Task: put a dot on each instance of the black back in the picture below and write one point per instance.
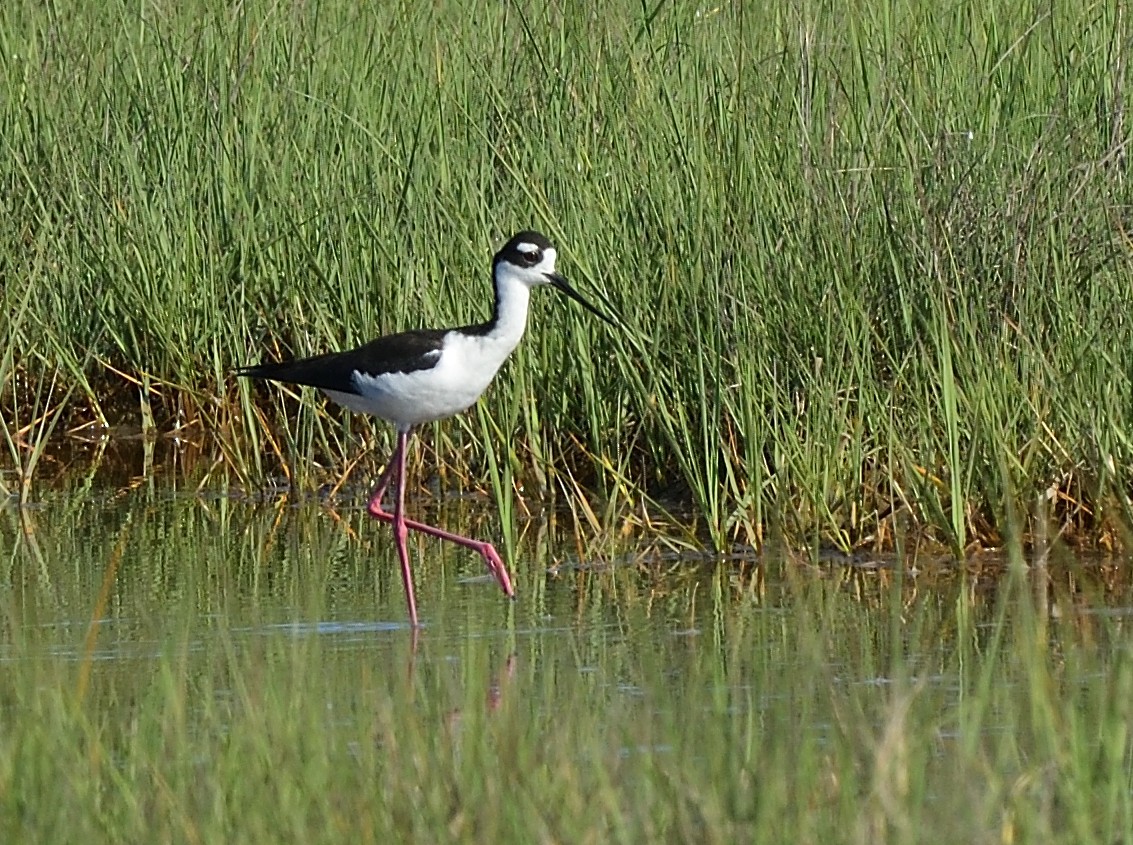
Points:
(405, 352)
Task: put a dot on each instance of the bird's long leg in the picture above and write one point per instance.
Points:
(484, 549)
(400, 530)
(383, 483)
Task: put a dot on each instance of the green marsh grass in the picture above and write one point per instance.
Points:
(867, 254)
(180, 669)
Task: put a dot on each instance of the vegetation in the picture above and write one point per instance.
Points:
(184, 670)
(871, 258)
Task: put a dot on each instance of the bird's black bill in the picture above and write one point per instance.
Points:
(563, 285)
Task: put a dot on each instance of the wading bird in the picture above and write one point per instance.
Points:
(416, 377)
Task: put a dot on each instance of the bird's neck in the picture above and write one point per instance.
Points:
(509, 313)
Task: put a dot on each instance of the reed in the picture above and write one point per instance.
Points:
(866, 254)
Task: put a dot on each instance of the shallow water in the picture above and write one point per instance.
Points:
(133, 562)
(138, 603)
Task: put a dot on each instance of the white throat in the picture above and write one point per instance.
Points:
(513, 296)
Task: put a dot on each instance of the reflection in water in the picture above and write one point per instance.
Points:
(134, 570)
(263, 636)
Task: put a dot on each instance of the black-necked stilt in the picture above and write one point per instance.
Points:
(420, 376)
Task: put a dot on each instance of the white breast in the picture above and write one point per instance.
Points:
(466, 367)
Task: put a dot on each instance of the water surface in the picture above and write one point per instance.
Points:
(679, 688)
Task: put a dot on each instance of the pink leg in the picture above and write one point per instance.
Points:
(383, 481)
(400, 531)
(486, 550)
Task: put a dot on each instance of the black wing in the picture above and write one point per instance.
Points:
(405, 352)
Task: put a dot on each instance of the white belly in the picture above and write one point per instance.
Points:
(462, 374)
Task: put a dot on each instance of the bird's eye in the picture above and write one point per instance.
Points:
(531, 257)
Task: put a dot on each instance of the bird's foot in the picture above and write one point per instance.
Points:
(485, 549)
